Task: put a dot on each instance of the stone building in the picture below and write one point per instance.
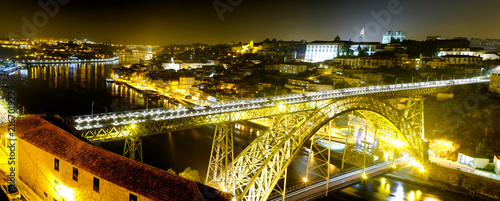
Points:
(58, 165)
(495, 83)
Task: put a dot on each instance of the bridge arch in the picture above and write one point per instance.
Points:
(259, 167)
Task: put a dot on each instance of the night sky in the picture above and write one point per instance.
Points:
(162, 22)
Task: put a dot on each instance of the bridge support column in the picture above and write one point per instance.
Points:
(414, 112)
(221, 157)
(349, 154)
(318, 162)
(133, 148)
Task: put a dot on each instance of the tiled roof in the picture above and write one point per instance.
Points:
(137, 177)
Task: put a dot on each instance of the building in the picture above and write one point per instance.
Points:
(301, 86)
(185, 84)
(393, 36)
(495, 83)
(319, 51)
(66, 167)
(462, 60)
(496, 162)
(466, 51)
(491, 56)
(472, 160)
(437, 63)
(292, 68)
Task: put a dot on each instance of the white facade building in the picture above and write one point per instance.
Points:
(319, 51)
(397, 35)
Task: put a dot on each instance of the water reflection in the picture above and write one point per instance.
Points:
(69, 89)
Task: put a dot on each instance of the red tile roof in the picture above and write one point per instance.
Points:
(137, 177)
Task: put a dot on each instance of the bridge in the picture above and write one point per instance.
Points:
(261, 168)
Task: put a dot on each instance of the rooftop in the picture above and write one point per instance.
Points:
(134, 176)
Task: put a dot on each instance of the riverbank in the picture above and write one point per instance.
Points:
(408, 175)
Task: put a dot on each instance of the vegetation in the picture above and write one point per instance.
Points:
(190, 174)
(468, 120)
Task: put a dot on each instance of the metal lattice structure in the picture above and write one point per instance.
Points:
(414, 112)
(133, 149)
(261, 166)
(258, 168)
(116, 126)
(221, 156)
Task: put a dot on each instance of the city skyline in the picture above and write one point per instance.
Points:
(212, 22)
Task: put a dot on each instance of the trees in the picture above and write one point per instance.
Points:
(191, 174)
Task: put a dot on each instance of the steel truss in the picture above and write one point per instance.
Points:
(221, 157)
(133, 149)
(258, 168)
(318, 162)
(109, 132)
(414, 112)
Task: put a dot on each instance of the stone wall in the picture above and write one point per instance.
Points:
(495, 83)
(457, 181)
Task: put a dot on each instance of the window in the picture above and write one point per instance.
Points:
(75, 173)
(56, 164)
(96, 184)
(132, 197)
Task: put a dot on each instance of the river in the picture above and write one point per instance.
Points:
(69, 89)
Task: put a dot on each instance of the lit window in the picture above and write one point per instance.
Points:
(56, 164)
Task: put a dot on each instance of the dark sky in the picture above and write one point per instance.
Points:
(162, 22)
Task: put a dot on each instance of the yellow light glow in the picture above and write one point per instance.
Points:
(304, 179)
(411, 196)
(224, 189)
(364, 176)
(383, 181)
(132, 126)
(66, 193)
(398, 143)
(234, 199)
(281, 107)
(419, 193)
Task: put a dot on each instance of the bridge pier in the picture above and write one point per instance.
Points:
(320, 165)
(221, 157)
(133, 148)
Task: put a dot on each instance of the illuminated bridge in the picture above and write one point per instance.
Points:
(260, 170)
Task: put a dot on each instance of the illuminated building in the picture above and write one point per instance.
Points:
(433, 63)
(393, 36)
(495, 83)
(472, 160)
(58, 165)
(292, 68)
(319, 51)
(496, 162)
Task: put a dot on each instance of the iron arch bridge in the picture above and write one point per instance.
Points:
(261, 166)
(257, 169)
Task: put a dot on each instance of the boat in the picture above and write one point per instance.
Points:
(109, 80)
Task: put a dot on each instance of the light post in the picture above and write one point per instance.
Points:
(481, 73)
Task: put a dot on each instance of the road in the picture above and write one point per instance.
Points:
(338, 181)
(463, 168)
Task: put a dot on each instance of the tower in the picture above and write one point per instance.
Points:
(362, 35)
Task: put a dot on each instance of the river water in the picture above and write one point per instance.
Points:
(69, 89)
